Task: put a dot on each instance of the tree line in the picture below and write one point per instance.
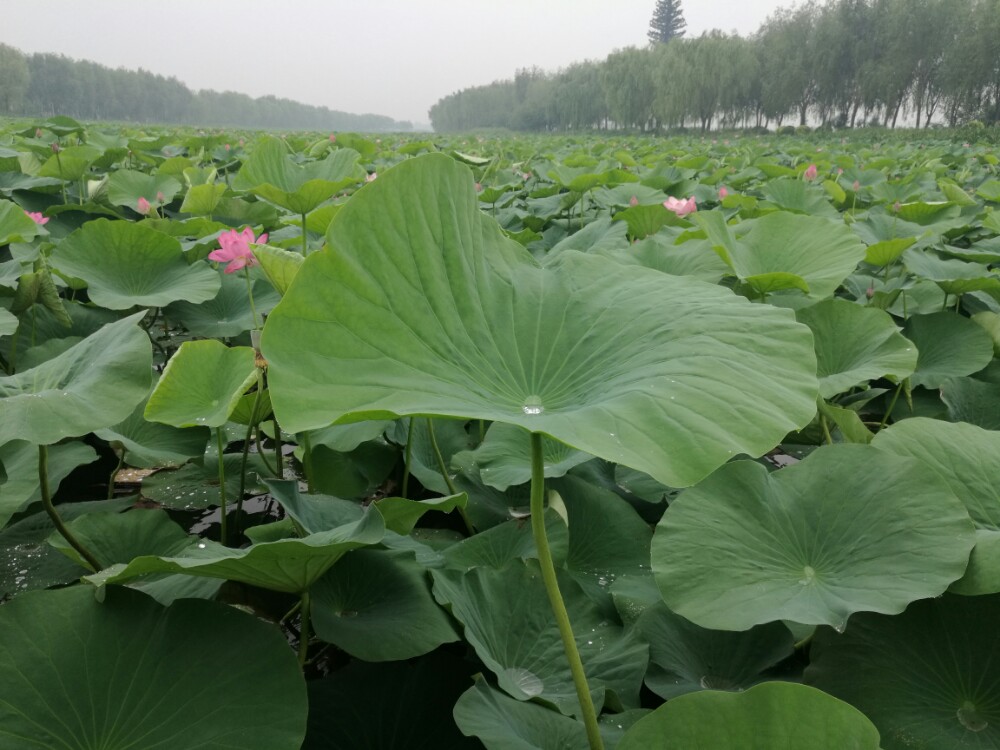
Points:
(839, 63)
(44, 84)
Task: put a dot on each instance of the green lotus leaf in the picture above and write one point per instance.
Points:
(377, 606)
(948, 346)
(389, 706)
(8, 322)
(280, 266)
(636, 366)
(885, 252)
(925, 678)
(646, 221)
(953, 276)
(771, 716)
(848, 529)
(15, 224)
(313, 512)
(691, 258)
(202, 384)
(126, 264)
(967, 458)
(987, 320)
(401, 514)
(856, 344)
(93, 384)
(502, 723)
(195, 486)
(504, 456)
(128, 673)
(151, 445)
(507, 541)
(22, 486)
(799, 197)
(121, 537)
(815, 249)
(974, 401)
(127, 186)
(520, 644)
(289, 565)
(202, 200)
(270, 173)
(684, 658)
(28, 562)
(71, 163)
(229, 313)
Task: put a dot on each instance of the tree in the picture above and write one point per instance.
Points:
(668, 21)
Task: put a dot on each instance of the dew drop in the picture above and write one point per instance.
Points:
(810, 576)
(970, 717)
(348, 613)
(201, 545)
(533, 405)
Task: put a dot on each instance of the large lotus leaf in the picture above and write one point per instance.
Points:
(314, 513)
(848, 529)
(29, 562)
(988, 320)
(8, 322)
(377, 606)
(665, 374)
(195, 486)
(771, 716)
(504, 456)
(948, 346)
(926, 678)
(799, 197)
(401, 514)
(506, 618)
(508, 541)
(820, 252)
(202, 384)
(280, 266)
(973, 401)
(70, 164)
(608, 540)
(967, 458)
(15, 224)
(121, 537)
(127, 186)
(389, 706)
(229, 313)
(691, 258)
(502, 723)
(152, 445)
(684, 658)
(953, 276)
(855, 344)
(290, 565)
(128, 673)
(885, 252)
(270, 173)
(23, 486)
(91, 385)
(126, 264)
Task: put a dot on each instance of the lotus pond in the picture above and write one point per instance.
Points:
(506, 442)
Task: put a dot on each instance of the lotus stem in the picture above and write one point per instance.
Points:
(43, 478)
(447, 478)
(278, 456)
(407, 455)
(892, 405)
(246, 453)
(307, 461)
(305, 237)
(253, 310)
(587, 711)
(304, 630)
(114, 473)
(224, 526)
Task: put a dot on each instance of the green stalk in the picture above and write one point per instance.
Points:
(447, 478)
(407, 454)
(222, 488)
(278, 456)
(305, 237)
(307, 461)
(304, 630)
(588, 714)
(826, 430)
(246, 453)
(253, 310)
(43, 478)
(111, 479)
(892, 405)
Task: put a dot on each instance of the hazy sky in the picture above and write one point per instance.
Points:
(390, 58)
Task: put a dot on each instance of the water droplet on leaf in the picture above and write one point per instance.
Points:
(533, 405)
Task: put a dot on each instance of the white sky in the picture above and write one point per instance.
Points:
(390, 58)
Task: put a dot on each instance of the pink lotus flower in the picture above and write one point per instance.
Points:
(142, 206)
(680, 207)
(160, 197)
(227, 147)
(855, 186)
(38, 132)
(633, 201)
(372, 177)
(235, 249)
(723, 192)
(810, 173)
(36, 217)
(479, 187)
(333, 138)
(896, 206)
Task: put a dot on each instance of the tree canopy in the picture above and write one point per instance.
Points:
(668, 21)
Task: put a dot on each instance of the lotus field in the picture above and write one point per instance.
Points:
(324, 441)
